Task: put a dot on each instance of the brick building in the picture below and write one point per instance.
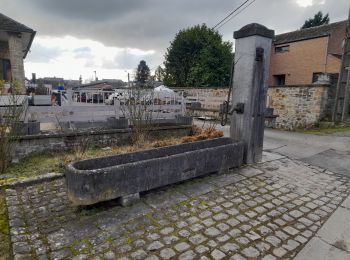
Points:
(300, 57)
(15, 42)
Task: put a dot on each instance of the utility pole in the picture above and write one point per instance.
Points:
(341, 100)
(128, 79)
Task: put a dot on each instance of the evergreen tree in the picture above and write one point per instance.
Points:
(317, 20)
(198, 57)
(142, 72)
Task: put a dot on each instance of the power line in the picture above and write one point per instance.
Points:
(231, 14)
(240, 11)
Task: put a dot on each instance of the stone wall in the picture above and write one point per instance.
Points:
(299, 106)
(16, 58)
(210, 99)
(55, 142)
(4, 50)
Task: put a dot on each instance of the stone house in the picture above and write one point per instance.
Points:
(15, 42)
(300, 57)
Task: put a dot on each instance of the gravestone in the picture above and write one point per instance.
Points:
(252, 60)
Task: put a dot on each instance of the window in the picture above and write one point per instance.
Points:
(315, 76)
(280, 79)
(5, 69)
(280, 49)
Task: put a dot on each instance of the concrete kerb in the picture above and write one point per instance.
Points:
(33, 180)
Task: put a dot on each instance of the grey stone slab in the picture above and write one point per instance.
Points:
(346, 203)
(194, 189)
(249, 171)
(336, 231)
(332, 160)
(320, 250)
(137, 209)
(165, 198)
(226, 179)
(268, 157)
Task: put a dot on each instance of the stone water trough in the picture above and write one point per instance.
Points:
(121, 176)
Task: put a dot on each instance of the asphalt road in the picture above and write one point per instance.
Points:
(331, 151)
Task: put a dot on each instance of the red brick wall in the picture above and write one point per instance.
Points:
(303, 59)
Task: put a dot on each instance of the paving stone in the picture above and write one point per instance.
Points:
(217, 254)
(223, 238)
(212, 232)
(274, 241)
(290, 230)
(229, 247)
(201, 249)
(208, 222)
(184, 233)
(167, 230)
(167, 253)
(296, 213)
(291, 245)
(205, 214)
(238, 257)
(305, 221)
(188, 255)
(232, 221)
(212, 244)
(182, 246)
(281, 235)
(220, 216)
(139, 254)
(234, 232)
(251, 252)
(197, 239)
(279, 252)
(253, 235)
(243, 240)
(154, 246)
(260, 209)
(232, 211)
(270, 212)
(262, 247)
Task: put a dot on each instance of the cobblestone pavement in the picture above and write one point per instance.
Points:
(269, 211)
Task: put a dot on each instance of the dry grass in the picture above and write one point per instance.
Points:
(199, 134)
(55, 162)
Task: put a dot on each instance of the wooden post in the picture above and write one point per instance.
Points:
(252, 55)
(345, 111)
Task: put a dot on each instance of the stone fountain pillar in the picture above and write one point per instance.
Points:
(252, 60)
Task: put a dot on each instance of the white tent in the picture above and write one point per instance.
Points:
(164, 92)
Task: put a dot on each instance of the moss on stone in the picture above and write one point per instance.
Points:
(4, 230)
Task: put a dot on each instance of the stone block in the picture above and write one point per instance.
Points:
(130, 199)
(94, 180)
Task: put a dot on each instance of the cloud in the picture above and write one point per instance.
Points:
(41, 53)
(67, 59)
(150, 25)
(83, 53)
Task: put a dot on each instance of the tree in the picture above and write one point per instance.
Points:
(142, 72)
(198, 57)
(317, 20)
(11, 122)
(159, 73)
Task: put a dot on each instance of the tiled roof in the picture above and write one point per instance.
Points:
(309, 33)
(10, 25)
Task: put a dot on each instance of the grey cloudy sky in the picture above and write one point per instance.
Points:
(76, 37)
